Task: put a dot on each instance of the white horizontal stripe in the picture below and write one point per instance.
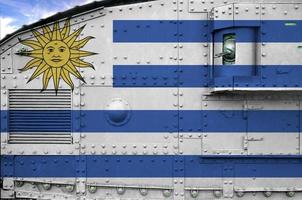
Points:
(137, 98)
(247, 184)
(200, 99)
(208, 143)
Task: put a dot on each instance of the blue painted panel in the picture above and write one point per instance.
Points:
(207, 76)
(233, 70)
(194, 30)
(3, 122)
(7, 166)
(155, 166)
(145, 76)
(189, 121)
(281, 76)
(193, 76)
(201, 30)
(45, 166)
(145, 30)
(278, 31)
(225, 121)
(129, 166)
(276, 121)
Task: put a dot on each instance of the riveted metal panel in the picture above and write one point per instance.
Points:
(190, 146)
(151, 188)
(300, 124)
(224, 12)
(271, 57)
(128, 143)
(273, 142)
(137, 98)
(196, 6)
(232, 113)
(124, 53)
(6, 62)
(246, 11)
(185, 133)
(287, 11)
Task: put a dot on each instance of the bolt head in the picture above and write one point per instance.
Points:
(194, 193)
(92, 189)
(19, 183)
(267, 193)
(120, 191)
(239, 193)
(167, 193)
(290, 193)
(217, 193)
(69, 188)
(143, 191)
(46, 186)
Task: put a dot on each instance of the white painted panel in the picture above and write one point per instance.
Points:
(97, 98)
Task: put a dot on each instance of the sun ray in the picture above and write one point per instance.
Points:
(56, 73)
(66, 29)
(41, 38)
(80, 63)
(56, 34)
(81, 43)
(40, 69)
(72, 37)
(66, 77)
(31, 64)
(80, 53)
(31, 43)
(72, 69)
(37, 53)
(47, 32)
(46, 77)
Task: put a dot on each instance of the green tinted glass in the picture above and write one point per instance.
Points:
(229, 49)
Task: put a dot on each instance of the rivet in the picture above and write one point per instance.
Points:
(120, 191)
(167, 193)
(69, 188)
(92, 189)
(290, 193)
(19, 183)
(194, 193)
(46, 186)
(267, 193)
(143, 191)
(217, 193)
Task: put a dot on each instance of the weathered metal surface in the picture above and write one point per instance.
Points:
(151, 110)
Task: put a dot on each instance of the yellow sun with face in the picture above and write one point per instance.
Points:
(56, 54)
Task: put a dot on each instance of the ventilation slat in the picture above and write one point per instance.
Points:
(37, 117)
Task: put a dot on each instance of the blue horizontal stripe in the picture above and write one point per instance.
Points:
(201, 30)
(150, 166)
(160, 76)
(173, 121)
(207, 76)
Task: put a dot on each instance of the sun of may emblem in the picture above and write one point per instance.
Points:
(56, 54)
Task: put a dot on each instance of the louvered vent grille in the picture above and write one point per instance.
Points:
(39, 117)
